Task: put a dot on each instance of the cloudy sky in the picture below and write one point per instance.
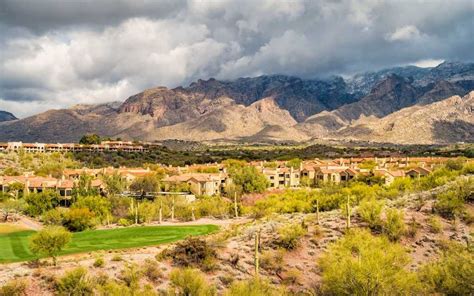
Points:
(56, 53)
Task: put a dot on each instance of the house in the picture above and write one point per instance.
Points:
(200, 183)
(418, 172)
(389, 175)
(39, 184)
(282, 177)
(334, 174)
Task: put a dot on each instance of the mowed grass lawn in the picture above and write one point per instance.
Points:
(14, 245)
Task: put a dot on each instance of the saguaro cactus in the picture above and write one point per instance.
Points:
(257, 256)
(348, 213)
(317, 211)
(172, 210)
(236, 209)
(161, 211)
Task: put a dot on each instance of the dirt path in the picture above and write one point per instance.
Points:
(29, 223)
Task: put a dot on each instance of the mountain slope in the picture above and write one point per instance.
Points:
(447, 121)
(389, 95)
(6, 116)
(231, 121)
(265, 108)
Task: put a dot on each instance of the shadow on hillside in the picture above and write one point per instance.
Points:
(457, 131)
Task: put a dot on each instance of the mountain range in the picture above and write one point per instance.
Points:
(392, 105)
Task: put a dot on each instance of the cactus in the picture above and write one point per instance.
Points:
(236, 211)
(257, 257)
(161, 211)
(348, 213)
(317, 211)
(136, 213)
(172, 210)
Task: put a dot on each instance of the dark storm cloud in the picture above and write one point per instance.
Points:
(57, 53)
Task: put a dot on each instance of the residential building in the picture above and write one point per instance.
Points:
(200, 183)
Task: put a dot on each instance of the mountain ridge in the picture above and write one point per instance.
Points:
(269, 108)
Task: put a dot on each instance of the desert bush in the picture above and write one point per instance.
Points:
(435, 224)
(117, 258)
(79, 219)
(124, 222)
(254, 287)
(39, 203)
(131, 275)
(99, 206)
(370, 211)
(213, 207)
(413, 227)
(74, 282)
(152, 271)
(363, 264)
(292, 276)
(54, 216)
(193, 252)
(452, 274)
(49, 241)
(272, 261)
(394, 226)
(289, 236)
(14, 288)
(468, 168)
(189, 281)
(454, 164)
(99, 262)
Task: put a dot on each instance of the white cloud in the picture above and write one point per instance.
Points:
(404, 33)
(60, 55)
(427, 63)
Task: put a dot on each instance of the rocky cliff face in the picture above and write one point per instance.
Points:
(268, 108)
(301, 98)
(446, 121)
(6, 116)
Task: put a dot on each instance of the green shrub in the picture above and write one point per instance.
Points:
(14, 288)
(99, 206)
(435, 224)
(394, 226)
(254, 287)
(55, 216)
(117, 258)
(131, 275)
(452, 274)
(189, 281)
(216, 207)
(124, 222)
(75, 282)
(99, 262)
(363, 264)
(370, 212)
(454, 164)
(272, 261)
(79, 219)
(289, 236)
(39, 203)
(49, 241)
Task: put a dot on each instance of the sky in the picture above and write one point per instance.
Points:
(55, 53)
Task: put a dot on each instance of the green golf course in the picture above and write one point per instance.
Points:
(14, 245)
